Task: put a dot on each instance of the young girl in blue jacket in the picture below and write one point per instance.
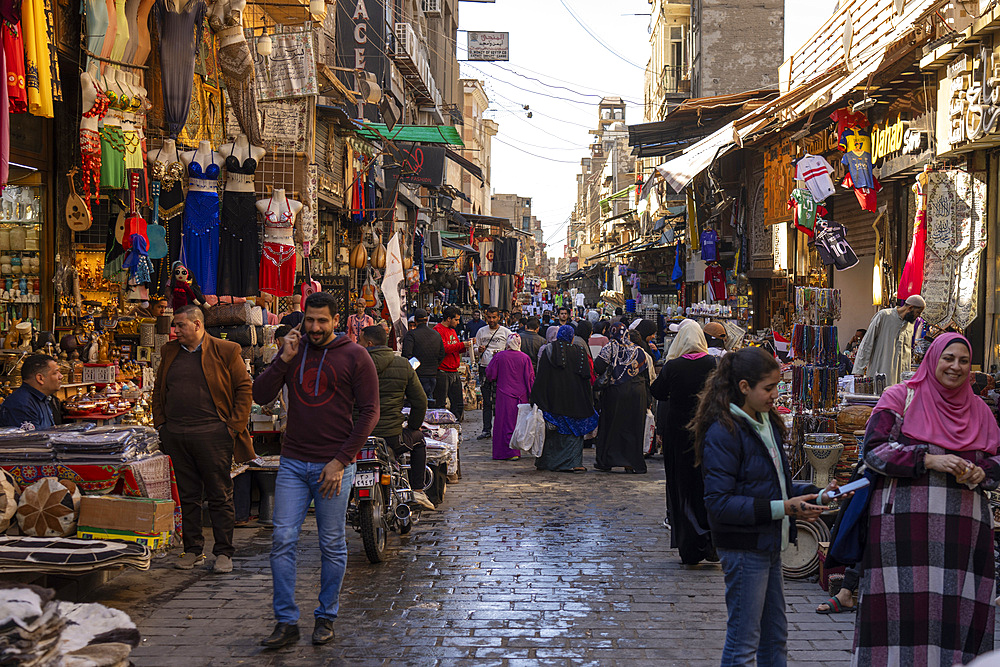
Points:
(751, 499)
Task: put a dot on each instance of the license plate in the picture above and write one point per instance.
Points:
(364, 479)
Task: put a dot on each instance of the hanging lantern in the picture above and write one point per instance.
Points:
(264, 45)
(317, 8)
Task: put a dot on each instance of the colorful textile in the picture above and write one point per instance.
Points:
(804, 210)
(912, 280)
(929, 548)
(139, 479)
(815, 171)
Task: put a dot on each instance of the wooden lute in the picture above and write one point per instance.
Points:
(77, 214)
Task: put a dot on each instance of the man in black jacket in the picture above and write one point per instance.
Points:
(531, 342)
(426, 345)
(398, 383)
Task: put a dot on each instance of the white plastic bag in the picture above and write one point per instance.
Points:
(529, 431)
(649, 433)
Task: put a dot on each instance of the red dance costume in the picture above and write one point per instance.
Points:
(277, 260)
(90, 148)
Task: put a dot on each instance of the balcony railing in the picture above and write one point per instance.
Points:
(673, 81)
(411, 58)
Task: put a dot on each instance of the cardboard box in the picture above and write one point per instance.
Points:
(154, 541)
(137, 515)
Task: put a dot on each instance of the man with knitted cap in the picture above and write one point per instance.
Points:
(886, 346)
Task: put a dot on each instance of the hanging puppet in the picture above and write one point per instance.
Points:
(182, 288)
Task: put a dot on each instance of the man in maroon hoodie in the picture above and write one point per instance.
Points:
(449, 382)
(327, 378)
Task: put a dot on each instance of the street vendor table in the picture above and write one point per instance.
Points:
(111, 419)
(152, 477)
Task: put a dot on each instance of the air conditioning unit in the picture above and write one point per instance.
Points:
(432, 8)
(434, 247)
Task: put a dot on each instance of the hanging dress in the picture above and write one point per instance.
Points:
(38, 77)
(13, 52)
(277, 260)
(180, 35)
(201, 226)
(170, 205)
(239, 251)
(236, 65)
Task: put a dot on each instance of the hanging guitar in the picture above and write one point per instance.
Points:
(156, 232)
(77, 212)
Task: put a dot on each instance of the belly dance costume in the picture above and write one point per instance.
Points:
(201, 227)
(239, 251)
(170, 204)
(114, 145)
(90, 148)
(133, 152)
(277, 261)
(13, 52)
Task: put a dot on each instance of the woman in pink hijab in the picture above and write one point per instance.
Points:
(926, 597)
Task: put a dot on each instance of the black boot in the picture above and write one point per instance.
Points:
(323, 632)
(283, 635)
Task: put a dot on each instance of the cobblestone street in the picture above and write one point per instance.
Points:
(517, 567)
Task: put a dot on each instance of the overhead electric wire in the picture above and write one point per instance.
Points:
(552, 85)
(598, 39)
(527, 90)
(541, 157)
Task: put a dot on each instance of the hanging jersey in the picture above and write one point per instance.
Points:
(847, 118)
(715, 280)
(804, 209)
(709, 240)
(859, 163)
(815, 171)
(832, 245)
(867, 197)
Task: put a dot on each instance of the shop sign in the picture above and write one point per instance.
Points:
(779, 181)
(888, 139)
(416, 163)
(488, 45)
(361, 43)
(901, 145)
(974, 108)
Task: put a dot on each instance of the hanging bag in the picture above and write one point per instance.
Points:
(849, 536)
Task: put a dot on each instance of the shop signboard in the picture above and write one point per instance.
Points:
(779, 181)
(488, 45)
(290, 70)
(361, 43)
(901, 144)
(417, 163)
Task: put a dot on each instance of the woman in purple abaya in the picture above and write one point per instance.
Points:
(511, 369)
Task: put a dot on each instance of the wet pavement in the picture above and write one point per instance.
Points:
(517, 567)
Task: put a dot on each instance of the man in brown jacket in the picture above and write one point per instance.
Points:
(201, 405)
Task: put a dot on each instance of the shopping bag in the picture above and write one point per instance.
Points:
(529, 430)
(649, 433)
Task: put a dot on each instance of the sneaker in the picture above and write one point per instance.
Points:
(666, 524)
(223, 564)
(420, 498)
(189, 561)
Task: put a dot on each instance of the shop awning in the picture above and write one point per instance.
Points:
(466, 164)
(680, 171)
(448, 243)
(421, 134)
(692, 120)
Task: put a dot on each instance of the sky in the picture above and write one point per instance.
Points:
(560, 69)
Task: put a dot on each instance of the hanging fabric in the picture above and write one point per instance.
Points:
(912, 279)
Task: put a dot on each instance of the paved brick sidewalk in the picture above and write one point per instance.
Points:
(517, 567)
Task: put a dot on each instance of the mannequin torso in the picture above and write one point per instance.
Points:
(204, 166)
(143, 46)
(279, 217)
(109, 36)
(240, 169)
(90, 92)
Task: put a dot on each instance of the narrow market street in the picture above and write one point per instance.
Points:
(517, 567)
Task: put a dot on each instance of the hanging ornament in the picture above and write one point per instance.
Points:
(318, 9)
(264, 45)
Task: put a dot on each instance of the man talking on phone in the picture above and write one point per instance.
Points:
(327, 378)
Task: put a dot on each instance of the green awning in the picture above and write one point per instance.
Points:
(424, 134)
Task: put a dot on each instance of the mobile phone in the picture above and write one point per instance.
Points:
(847, 488)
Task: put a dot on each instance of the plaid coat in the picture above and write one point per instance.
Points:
(926, 597)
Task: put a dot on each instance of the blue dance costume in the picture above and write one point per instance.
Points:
(201, 227)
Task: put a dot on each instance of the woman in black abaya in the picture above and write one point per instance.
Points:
(624, 402)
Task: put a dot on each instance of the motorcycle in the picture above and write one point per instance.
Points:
(381, 498)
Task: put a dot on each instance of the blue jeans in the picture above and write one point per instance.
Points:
(755, 598)
(298, 485)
